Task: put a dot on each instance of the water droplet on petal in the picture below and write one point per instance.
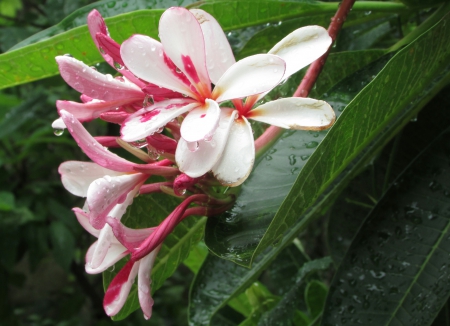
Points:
(192, 146)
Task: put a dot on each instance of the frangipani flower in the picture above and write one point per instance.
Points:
(179, 63)
(113, 99)
(230, 153)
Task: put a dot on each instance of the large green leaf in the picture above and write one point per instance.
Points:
(36, 61)
(410, 79)
(150, 210)
(361, 195)
(207, 300)
(272, 177)
(107, 8)
(396, 270)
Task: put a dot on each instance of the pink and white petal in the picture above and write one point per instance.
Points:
(115, 253)
(93, 109)
(144, 281)
(238, 156)
(148, 120)
(77, 176)
(104, 193)
(119, 288)
(130, 238)
(202, 160)
(101, 249)
(118, 210)
(96, 24)
(182, 38)
(295, 113)
(94, 84)
(253, 75)
(301, 47)
(219, 56)
(83, 219)
(146, 59)
(58, 124)
(201, 122)
(92, 148)
(109, 47)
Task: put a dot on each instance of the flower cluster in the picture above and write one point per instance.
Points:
(177, 86)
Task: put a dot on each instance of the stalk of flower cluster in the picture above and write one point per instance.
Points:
(272, 133)
(169, 224)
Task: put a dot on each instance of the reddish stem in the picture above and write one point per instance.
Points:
(313, 72)
(316, 67)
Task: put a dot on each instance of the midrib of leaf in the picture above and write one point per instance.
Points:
(422, 268)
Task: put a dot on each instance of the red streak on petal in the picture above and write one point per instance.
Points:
(189, 68)
(116, 285)
(203, 115)
(173, 69)
(149, 115)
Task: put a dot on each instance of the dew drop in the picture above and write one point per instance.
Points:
(58, 132)
(193, 146)
(117, 65)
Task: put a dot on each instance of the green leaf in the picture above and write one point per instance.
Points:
(220, 281)
(147, 211)
(7, 201)
(20, 114)
(107, 8)
(36, 61)
(409, 80)
(63, 243)
(273, 175)
(315, 295)
(196, 258)
(396, 270)
(285, 311)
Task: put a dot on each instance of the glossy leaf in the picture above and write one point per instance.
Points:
(285, 311)
(363, 192)
(396, 270)
(393, 95)
(147, 211)
(107, 8)
(36, 61)
(227, 235)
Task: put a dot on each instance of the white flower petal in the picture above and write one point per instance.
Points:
(219, 56)
(197, 163)
(144, 281)
(147, 121)
(238, 156)
(146, 59)
(301, 47)
(77, 176)
(115, 253)
(83, 219)
(201, 122)
(58, 124)
(102, 247)
(182, 38)
(252, 75)
(295, 113)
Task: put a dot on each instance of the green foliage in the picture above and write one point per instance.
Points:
(314, 201)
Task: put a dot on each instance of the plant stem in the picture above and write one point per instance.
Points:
(272, 133)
